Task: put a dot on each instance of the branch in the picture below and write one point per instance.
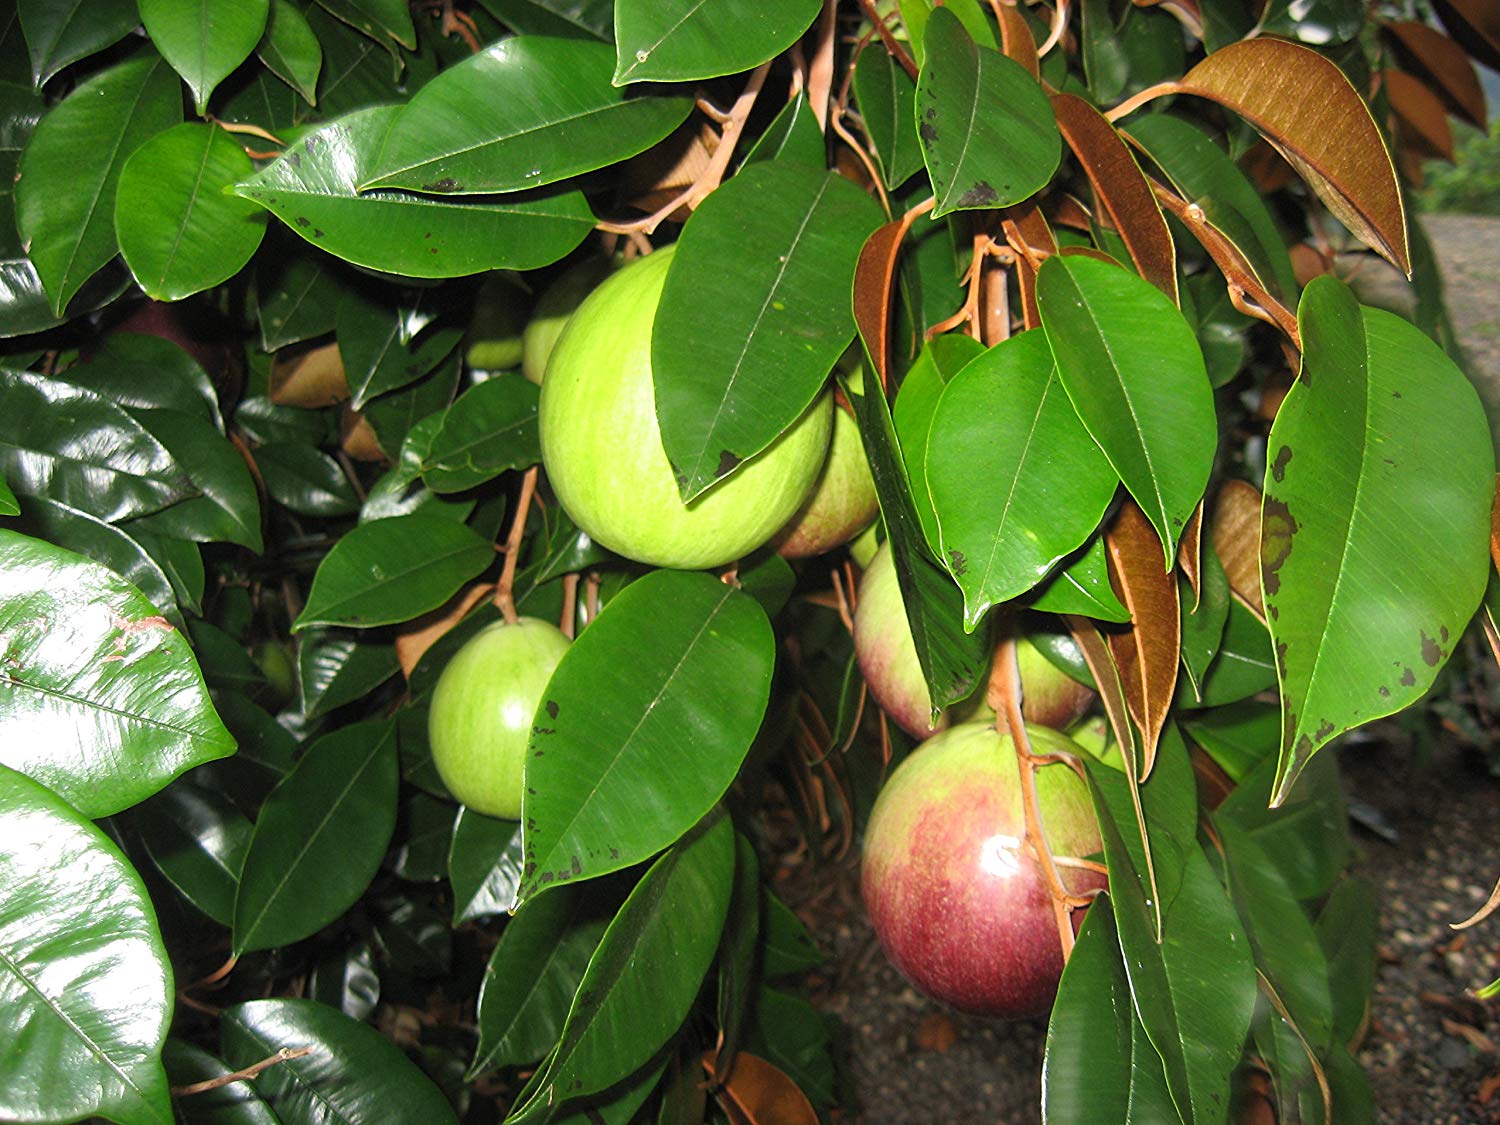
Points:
(504, 598)
(251, 1071)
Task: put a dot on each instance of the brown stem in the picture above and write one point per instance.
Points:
(820, 72)
(892, 44)
(996, 320)
(1059, 27)
(570, 605)
(217, 975)
(836, 123)
(251, 1071)
(1135, 101)
(713, 173)
(349, 473)
(1005, 690)
(505, 600)
(591, 598)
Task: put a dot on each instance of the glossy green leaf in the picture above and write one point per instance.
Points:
(234, 1104)
(484, 865)
(1135, 373)
(393, 570)
(103, 703)
(204, 40)
(492, 427)
(106, 544)
(1194, 992)
(950, 656)
(352, 1074)
(133, 369)
(1203, 624)
(65, 200)
(75, 446)
(228, 509)
(940, 359)
(1244, 665)
(385, 347)
(1005, 418)
(644, 725)
(787, 948)
(306, 480)
(782, 316)
(648, 968)
(424, 830)
(385, 21)
(313, 187)
(1375, 524)
(182, 563)
(358, 70)
(1286, 947)
(177, 229)
(795, 1037)
(290, 50)
(1092, 1073)
(334, 669)
(394, 415)
(1204, 175)
(793, 135)
(197, 839)
(85, 984)
(887, 100)
(916, 13)
(21, 108)
(297, 294)
(981, 160)
(592, 19)
(531, 979)
(735, 969)
(8, 504)
(60, 32)
(319, 838)
(1081, 585)
(685, 40)
(1348, 928)
(347, 980)
(525, 112)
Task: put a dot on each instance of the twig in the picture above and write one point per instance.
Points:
(1135, 101)
(820, 71)
(713, 172)
(1005, 696)
(251, 1071)
(570, 604)
(1059, 27)
(505, 600)
(217, 975)
(892, 45)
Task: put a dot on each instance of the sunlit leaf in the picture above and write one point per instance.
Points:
(683, 40)
(1380, 452)
(204, 40)
(85, 984)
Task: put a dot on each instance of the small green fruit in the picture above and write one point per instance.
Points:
(482, 711)
(554, 310)
(602, 450)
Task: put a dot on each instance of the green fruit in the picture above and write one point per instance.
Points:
(554, 310)
(482, 711)
(495, 332)
(842, 501)
(602, 448)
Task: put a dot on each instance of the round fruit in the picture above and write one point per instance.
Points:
(842, 501)
(602, 448)
(553, 311)
(495, 342)
(888, 661)
(482, 710)
(863, 546)
(958, 901)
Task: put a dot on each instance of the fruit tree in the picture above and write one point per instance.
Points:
(476, 474)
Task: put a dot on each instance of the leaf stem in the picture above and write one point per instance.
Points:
(505, 600)
(251, 1071)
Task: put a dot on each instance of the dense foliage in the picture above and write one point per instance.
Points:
(267, 462)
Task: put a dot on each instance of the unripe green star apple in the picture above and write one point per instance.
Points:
(842, 502)
(554, 309)
(888, 661)
(956, 897)
(495, 331)
(482, 710)
(602, 449)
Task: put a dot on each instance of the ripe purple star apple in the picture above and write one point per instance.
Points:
(888, 661)
(959, 902)
(602, 449)
(482, 711)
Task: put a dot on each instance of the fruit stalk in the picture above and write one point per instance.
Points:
(505, 600)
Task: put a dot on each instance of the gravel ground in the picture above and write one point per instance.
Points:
(1431, 1051)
